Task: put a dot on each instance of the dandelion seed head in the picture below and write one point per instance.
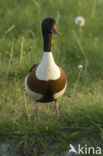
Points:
(80, 21)
(80, 66)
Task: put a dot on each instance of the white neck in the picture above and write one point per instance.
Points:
(48, 59)
(47, 69)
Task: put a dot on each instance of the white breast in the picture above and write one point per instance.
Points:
(47, 69)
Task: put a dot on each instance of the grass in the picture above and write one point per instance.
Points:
(81, 108)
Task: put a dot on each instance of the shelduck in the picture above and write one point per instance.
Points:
(46, 81)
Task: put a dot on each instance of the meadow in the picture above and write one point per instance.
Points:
(21, 46)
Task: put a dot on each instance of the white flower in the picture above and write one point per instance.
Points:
(80, 21)
(80, 66)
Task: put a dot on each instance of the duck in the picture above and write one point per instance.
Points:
(46, 81)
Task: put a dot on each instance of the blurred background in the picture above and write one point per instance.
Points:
(21, 46)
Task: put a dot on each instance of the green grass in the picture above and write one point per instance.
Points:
(81, 108)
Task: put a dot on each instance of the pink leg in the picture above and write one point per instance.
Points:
(56, 107)
(37, 111)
